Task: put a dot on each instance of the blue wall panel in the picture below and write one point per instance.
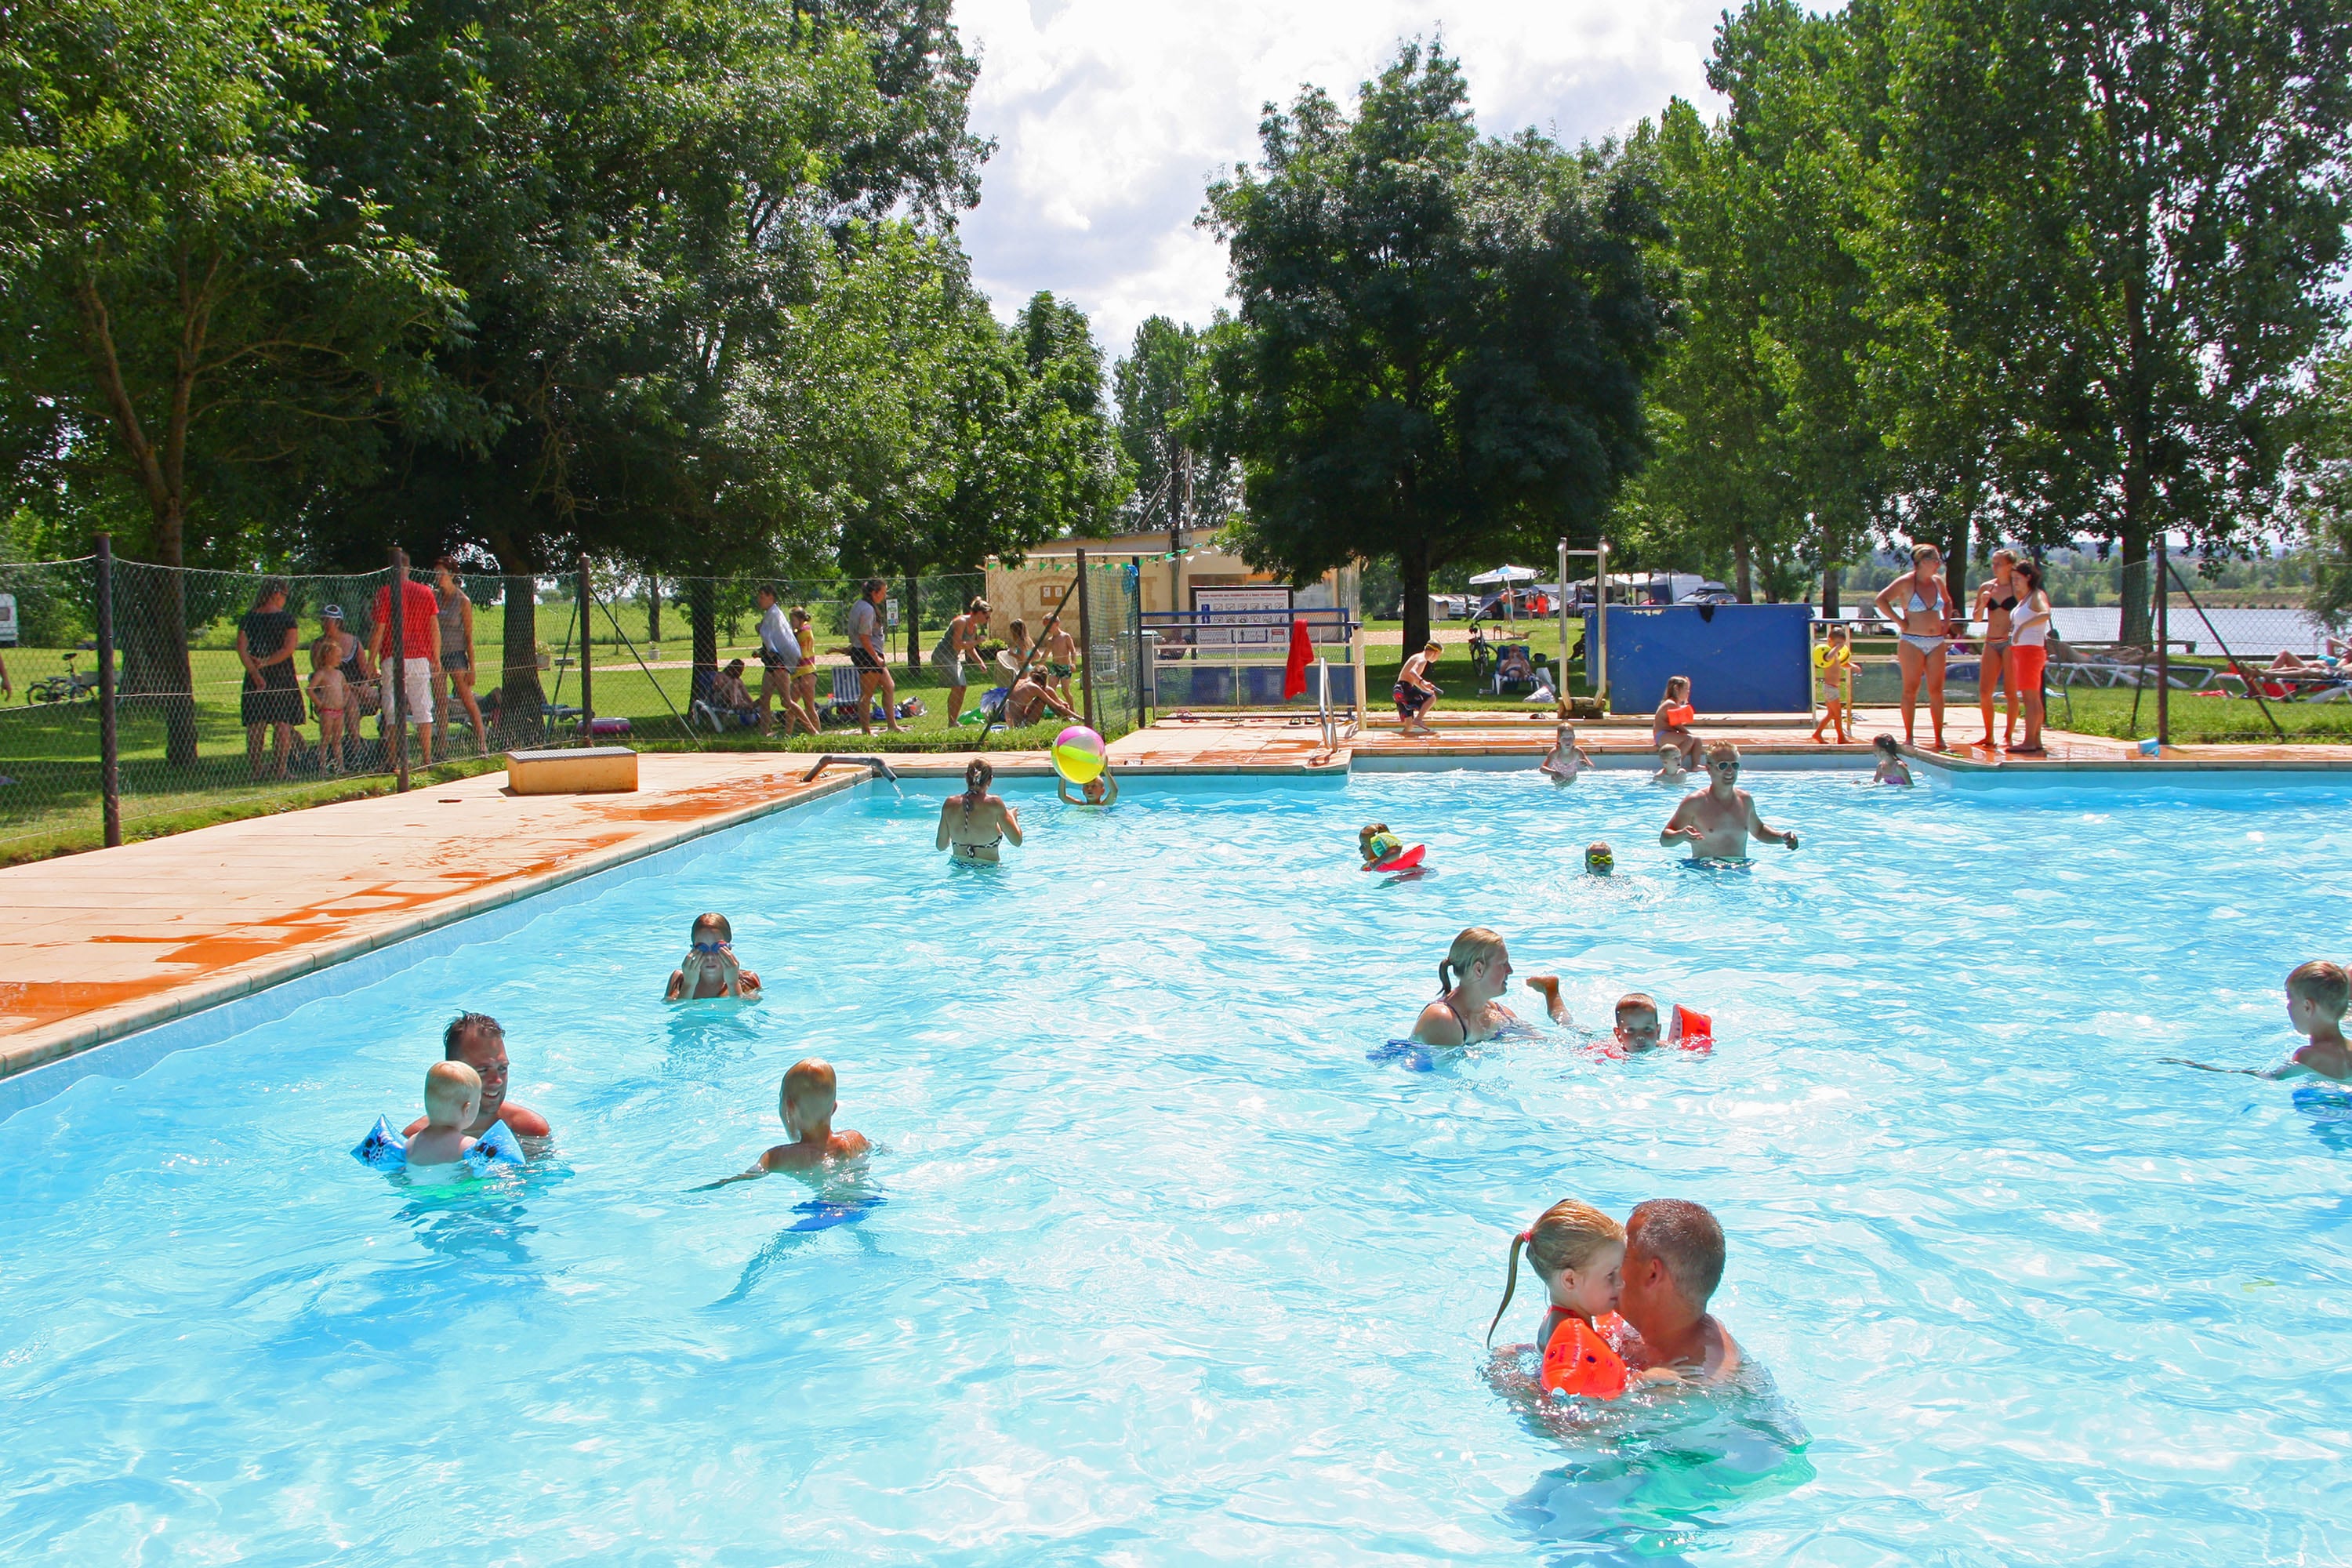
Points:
(1741, 659)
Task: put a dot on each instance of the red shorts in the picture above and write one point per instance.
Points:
(2025, 662)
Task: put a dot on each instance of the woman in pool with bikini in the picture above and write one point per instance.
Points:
(1470, 984)
(974, 823)
(1925, 618)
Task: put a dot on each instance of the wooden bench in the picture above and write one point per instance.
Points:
(572, 770)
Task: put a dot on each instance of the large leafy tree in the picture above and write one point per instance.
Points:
(1441, 338)
(180, 285)
(2136, 211)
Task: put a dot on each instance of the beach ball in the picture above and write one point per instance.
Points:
(1079, 754)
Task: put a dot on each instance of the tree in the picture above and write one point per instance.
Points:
(1441, 340)
(2321, 468)
(2152, 200)
(1166, 427)
(176, 278)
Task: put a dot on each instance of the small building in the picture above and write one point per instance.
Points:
(1031, 591)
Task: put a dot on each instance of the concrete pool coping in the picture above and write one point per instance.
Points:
(100, 946)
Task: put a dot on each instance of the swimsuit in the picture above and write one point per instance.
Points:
(1410, 699)
(1920, 606)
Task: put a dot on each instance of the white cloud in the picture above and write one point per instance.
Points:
(1111, 116)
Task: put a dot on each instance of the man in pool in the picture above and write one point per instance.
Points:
(477, 1040)
(1716, 821)
(1673, 1261)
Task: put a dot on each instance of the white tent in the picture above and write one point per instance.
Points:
(1502, 574)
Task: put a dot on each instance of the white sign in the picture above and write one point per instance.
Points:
(7, 620)
(1254, 617)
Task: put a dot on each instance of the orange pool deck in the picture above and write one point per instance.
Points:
(97, 946)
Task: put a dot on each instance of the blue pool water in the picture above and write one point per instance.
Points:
(1154, 1266)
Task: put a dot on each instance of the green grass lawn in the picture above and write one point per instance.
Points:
(49, 752)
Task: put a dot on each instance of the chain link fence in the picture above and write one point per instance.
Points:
(233, 691)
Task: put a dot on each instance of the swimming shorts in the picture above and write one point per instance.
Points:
(1409, 699)
(862, 659)
(2026, 663)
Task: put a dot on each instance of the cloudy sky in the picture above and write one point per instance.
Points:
(1111, 116)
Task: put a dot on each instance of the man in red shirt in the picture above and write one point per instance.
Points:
(420, 655)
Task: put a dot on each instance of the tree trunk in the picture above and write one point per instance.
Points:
(1956, 557)
(914, 628)
(1743, 569)
(702, 614)
(2137, 527)
(520, 696)
(1412, 565)
(653, 609)
(1830, 605)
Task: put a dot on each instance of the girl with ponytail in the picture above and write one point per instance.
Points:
(1471, 982)
(975, 822)
(1578, 1253)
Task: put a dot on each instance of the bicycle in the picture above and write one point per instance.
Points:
(70, 687)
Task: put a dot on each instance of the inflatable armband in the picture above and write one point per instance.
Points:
(824, 1215)
(1681, 714)
(1412, 1054)
(1691, 1029)
(2324, 1101)
(385, 1150)
(382, 1148)
(1578, 1361)
(495, 1146)
(1402, 860)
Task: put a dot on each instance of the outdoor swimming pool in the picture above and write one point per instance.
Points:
(1165, 1270)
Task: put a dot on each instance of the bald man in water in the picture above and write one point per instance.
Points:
(1673, 1261)
(481, 1042)
(1716, 821)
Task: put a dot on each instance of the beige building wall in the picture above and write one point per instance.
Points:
(1031, 594)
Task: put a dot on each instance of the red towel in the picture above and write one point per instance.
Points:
(1302, 654)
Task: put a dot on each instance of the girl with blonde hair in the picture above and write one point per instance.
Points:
(1471, 983)
(1578, 1253)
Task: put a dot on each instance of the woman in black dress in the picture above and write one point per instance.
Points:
(272, 695)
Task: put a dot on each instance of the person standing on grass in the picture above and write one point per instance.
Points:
(419, 656)
(803, 686)
(272, 696)
(869, 650)
(2028, 654)
(1996, 603)
(455, 614)
(1925, 618)
(964, 659)
(779, 656)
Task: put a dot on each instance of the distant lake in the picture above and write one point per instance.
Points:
(2245, 631)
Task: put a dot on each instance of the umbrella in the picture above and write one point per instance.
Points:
(1503, 575)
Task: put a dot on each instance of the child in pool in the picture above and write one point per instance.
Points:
(1375, 842)
(1578, 1252)
(2317, 994)
(806, 1104)
(1100, 790)
(710, 968)
(453, 1094)
(1891, 767)
(1599, 860)
(1670, 768)
(1566, 759)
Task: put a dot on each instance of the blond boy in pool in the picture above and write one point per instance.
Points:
(2317, 994)
(453, 1094)
(806, 1104)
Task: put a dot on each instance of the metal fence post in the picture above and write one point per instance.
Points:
(109, 775)
(394, 670)
(2163, 650)
(1085, 647)
(587, 664)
